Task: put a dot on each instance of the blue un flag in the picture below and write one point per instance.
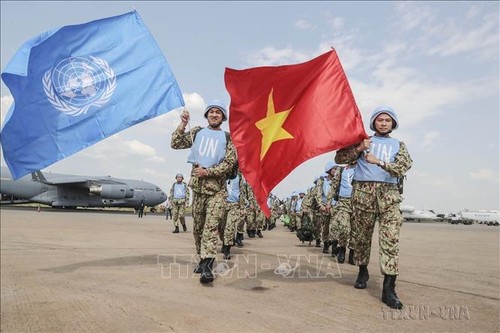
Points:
(77, 85)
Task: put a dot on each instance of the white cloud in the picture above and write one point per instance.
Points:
(302, 24)
(6, 102)
(485, 174)
(270, 56)
(429, 139)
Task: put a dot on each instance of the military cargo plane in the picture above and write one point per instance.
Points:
(71, 191)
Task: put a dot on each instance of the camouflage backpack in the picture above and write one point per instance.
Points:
(306, 232)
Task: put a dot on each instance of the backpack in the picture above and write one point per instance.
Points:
(234, 170)
(306, 232)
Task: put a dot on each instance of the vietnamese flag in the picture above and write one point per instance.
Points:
(282, 116)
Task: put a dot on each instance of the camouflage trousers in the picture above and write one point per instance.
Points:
(260, 219)
(240, 228)
(340, 223)
(208, 212)
(293, 220)
(316, 218)
(373, 201)
(324, 220)
(178, 209)
(298, 220)
(251, 219)
(233, 216)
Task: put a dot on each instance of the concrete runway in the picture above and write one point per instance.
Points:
(110, 272)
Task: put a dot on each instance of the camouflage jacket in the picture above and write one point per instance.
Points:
(402, 161)
(335, 183)
(216, 179)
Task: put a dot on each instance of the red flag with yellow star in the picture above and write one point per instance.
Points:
(284, 115)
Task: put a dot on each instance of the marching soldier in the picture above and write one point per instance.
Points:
(179, 199)
(208, 179)
(381, 161)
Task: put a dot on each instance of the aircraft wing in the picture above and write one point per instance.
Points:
(73, 180)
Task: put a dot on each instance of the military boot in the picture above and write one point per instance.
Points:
(199, 268)
(326, 247)
(318, 242)
(206, 275)
(227, 252)
(335, 249)
(239, 239)
(259, 233)
(389, 296)
(176, 231)
(183, 222)
(351, 257)
(341, 255)
(362, 278)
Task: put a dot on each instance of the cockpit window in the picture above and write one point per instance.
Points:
(158, 189)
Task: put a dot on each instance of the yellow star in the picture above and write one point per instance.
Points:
(271, 126)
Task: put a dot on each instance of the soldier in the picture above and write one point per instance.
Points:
(315, 212)
(251, 212)
(381, 161)
(179, 199)
(321, 193)
(213, 156)
(291, 212)
(235, 205)
(341, 226)
(299, 210)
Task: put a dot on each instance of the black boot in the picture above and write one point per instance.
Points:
(362, 278)
(389, 296)
(176, 231)
(341, 255)
(335, 248)
(199, 268)
(183, 222)
(251, 233)
(227, 252)
(259, 233)
(326, 247)
(351, 257)
(239, 239)
(318, 242)
(206, 275)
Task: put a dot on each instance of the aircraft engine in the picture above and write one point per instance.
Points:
(112, 191)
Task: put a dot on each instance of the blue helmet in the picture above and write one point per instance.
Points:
(384, 109)
(219, 105)
(329, 166)
(179, 175)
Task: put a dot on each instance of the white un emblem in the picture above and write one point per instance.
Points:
(75, 84)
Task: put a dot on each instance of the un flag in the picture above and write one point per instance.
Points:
(77, 85)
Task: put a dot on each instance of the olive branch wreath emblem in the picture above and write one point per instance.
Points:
(65, 107)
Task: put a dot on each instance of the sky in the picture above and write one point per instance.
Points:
(435, 63)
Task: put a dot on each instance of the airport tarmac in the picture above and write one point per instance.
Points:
(103, 272)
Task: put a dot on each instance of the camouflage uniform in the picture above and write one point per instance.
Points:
(341, 220)
(179, 206)
(324, 214)
(209, 195)
(234, 214)
(292, 213)
(315, 212)
(251, 209)
(373, 201)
